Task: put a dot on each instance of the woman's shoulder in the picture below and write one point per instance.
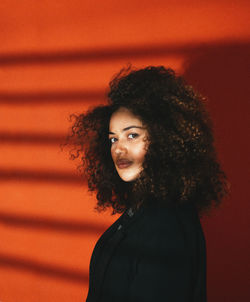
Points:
(172, 222)
(160, 229)
(167, 214)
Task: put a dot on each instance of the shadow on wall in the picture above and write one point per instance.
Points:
(222, 74)
(43, 269)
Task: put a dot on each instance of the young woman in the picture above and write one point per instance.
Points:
(149, 155)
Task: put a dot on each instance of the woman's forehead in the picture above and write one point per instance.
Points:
(123, 118)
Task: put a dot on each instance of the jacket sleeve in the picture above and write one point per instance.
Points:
(162, 268)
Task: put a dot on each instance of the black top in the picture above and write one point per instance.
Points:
(154, 254)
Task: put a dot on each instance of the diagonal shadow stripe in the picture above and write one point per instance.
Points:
(112, 54)
(52, 97)
(45, 223)
(45, 269)
(32, 138)
(92, 55)
(40, 176)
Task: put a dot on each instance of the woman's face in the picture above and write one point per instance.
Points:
(129, 141)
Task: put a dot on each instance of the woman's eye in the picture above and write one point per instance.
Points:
(112, 140)
(133, 135)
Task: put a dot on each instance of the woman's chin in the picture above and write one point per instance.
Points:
(128, 177)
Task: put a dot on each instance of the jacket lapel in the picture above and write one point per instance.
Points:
(105, 248)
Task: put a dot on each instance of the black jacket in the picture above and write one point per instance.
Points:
(154, 254)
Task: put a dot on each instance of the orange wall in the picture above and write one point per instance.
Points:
(56, 58)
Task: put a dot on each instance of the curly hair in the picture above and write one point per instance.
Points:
(180, 165)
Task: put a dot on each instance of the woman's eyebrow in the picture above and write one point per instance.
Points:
(127, 128)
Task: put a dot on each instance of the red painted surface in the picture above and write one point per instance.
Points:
(56, 58)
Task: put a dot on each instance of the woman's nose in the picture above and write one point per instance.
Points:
(120, 148)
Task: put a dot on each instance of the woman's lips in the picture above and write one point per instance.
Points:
(123, 163)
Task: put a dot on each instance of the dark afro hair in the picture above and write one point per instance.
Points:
(180, 166)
